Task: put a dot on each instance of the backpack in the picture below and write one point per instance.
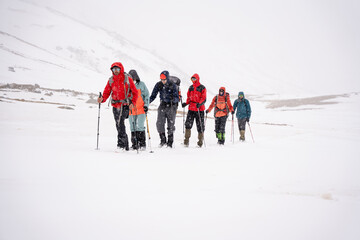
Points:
(126, 81)
(177, 82)
(226, 108)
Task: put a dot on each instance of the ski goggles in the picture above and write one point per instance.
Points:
(162, 76)
(241, 96)
(193, 79)
(116, 69)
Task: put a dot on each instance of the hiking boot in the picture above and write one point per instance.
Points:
(134, 141)
(170, 140)
(200, 139)
(242, 135)
(187, 136)
(141, 139)
(162, 139)
(221, 138)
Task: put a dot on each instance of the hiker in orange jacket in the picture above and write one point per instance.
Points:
(223, 107)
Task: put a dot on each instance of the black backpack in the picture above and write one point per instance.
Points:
(177, 82)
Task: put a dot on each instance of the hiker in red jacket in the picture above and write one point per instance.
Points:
(196, 98)
(124, 95)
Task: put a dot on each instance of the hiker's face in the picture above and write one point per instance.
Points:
(115, 70)
(221, 92)
(163, 81)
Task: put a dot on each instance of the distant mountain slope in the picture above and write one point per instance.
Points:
(42, 45)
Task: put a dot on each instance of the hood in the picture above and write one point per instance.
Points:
(134, 75)
(222, 88)
(241, 93)
(197, 82)
(166, 73)
(196, 76)
(118, 64)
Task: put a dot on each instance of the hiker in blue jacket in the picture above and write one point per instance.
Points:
(243, 113)
(169, 101)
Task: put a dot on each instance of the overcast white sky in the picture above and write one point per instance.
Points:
(303, 42)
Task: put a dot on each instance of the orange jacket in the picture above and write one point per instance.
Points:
(222, 104)
(139, 106)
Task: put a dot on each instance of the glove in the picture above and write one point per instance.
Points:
(207, 111)
(184, 105)
(232, 112)
(146, 109)
(247, 119)
(198, 105)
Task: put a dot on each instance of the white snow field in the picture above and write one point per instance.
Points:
(299, 180)
(296, 61)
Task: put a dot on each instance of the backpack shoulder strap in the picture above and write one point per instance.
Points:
(126, 80)
(111, 81)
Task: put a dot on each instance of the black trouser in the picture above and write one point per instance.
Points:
(166, 113)
(120, 116)
(220, 123)
(191, 115)
(241, 123)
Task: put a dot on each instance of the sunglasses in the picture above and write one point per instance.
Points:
(116, 69)
(193, 79)
(162, 77)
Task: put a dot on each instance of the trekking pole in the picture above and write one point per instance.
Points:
(232, 128)
(147, 128)
(251, 132)
(134, 128)
(205, 119)
(202, 130)
(97, 143)
(183, 117)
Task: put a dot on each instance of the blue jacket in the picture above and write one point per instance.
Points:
(242, 107)
(168, 91)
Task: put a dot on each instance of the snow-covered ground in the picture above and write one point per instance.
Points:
(296, 62)
(299, 180)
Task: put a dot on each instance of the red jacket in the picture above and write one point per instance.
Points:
(196, 94)
(118, 88)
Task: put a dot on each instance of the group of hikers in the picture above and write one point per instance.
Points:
(130, 99)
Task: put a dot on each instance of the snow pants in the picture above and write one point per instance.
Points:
(166, 113)
(194, 115)
(119, 115)
(220, 124)
(138, 121)
(241, 123)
